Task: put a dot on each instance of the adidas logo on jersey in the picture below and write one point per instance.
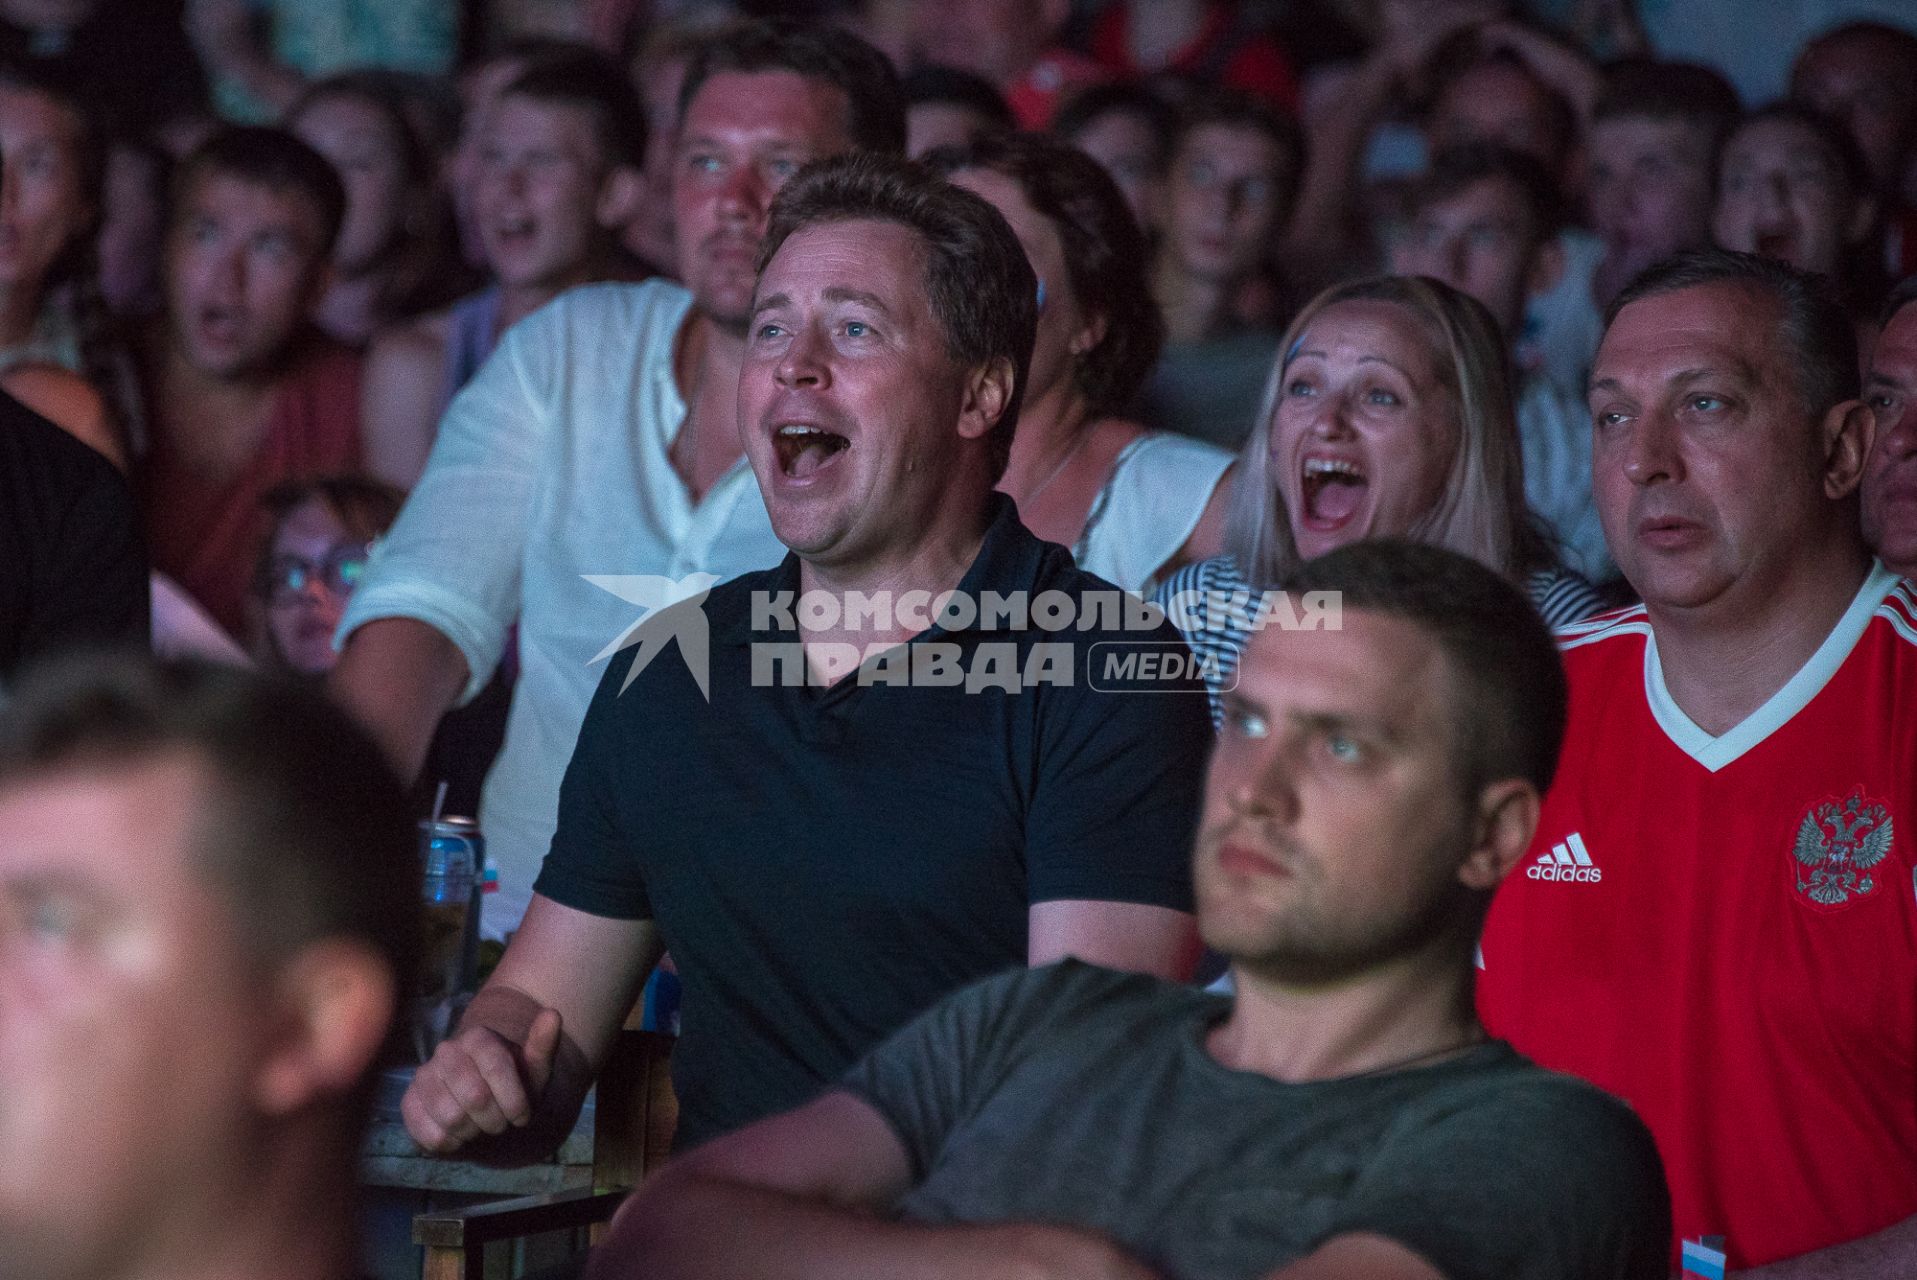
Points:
(1566, 860)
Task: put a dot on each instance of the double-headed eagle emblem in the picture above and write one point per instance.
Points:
(1837, 846)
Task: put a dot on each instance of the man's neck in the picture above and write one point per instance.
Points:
(1727, 659)
(935, 563)
(1195, 307)
(1397, 1015)
(280, 1217)
(202, 394)
(706, 360)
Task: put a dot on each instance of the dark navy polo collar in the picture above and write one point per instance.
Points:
(1010, 558)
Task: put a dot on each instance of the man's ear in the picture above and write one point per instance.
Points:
(331, 1007)
(987, 394)
(1090, 335)
(1547, 267)
(622, 193)
(1845, 436)
(1507, 818)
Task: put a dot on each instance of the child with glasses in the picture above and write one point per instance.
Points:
(312, 559)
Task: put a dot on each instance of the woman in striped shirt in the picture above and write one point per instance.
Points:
(1389, 414)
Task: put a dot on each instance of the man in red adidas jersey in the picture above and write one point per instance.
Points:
(1717, 918)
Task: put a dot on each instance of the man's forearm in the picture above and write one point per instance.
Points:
(686, 1226)
(509, 1013)
(397, 677)
(1890, 1254)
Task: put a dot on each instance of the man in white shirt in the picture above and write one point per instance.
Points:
(593, 465)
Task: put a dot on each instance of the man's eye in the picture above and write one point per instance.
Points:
(1343, 749)
(49, 919)
(857, 329)
(769, 330)
(1882, 400)
(1245, 723)
(702, 163)
(1705, 404)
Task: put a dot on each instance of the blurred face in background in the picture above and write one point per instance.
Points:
(1649, 190)
(1501, 103)
(315, 563)
(1863, 81)
(1783, 194)
(1226, 199)
(1364, 432)
(542, 181)
(744, 134)
(244, 262)
(478, 90)
(362, 143)
(1484, 241)
(43, 201)
(1127, 148)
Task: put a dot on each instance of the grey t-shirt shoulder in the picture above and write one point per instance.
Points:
(1083, 1097)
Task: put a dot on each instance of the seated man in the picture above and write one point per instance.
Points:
(1890, 481)
(240, 391)
(1716, 922)
(1340, 1115)
(209, 909)
(1484, 219)
(557, 176)
(838, 811)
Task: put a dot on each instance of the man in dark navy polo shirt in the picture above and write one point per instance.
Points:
(902, 760)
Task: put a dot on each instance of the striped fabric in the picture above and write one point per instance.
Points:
(1212, 604)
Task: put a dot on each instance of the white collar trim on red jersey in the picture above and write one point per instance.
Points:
(1716, 752)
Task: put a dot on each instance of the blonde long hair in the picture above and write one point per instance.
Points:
(1481, 511)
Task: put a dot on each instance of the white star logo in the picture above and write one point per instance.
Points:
(674, 610)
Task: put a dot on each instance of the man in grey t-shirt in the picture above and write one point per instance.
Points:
(1340, 1115)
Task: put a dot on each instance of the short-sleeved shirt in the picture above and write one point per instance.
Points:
(826, 862)
(1723, 929)
(550, 501)
(1081, 1097)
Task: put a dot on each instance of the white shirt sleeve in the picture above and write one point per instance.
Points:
(453, 558)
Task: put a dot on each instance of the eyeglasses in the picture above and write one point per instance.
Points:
(287, 577)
